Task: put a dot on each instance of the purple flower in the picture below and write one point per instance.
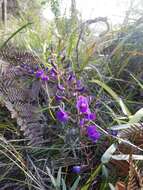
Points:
(44, 77)
(92, 133)
(39, 73)
(82, 104)
(23, 65)
(36, 67)
(76, 169)
(62, 115)
(80, 87)
(61, 87)
(71, 77)
(58, 97)
(46, 69)
(53, 73)
(31, 71)
(90, 116)
(42, 66)
(114, 132)
(78, 83)
(98, 104)
(82, 122)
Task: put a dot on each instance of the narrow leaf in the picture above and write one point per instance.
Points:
(59, 177)
(14, 34)
(111, 187)
(91, 178)
(137, 116)
(63, 185)
(51, 177)
(75, 185)
(114, 95)
(108, 153)
(122, 126)
(127, 156)
(139, 83)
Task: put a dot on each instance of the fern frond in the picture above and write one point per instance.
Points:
(20, 96)
(134, 178)
(131, 131)
(15, 56)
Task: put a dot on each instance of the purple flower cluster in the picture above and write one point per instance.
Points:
(68, 89)
(40, 72)
(87, 116)
(27, 68)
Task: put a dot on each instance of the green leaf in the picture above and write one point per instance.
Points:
(136, 117)
(123, 126)
(75, 185)
(139, 83)
(108, 153)
(105, 171)
(91, 178)
(63, 185)
(103, 185)
(111, 187)
(59, 177)
(52, 178)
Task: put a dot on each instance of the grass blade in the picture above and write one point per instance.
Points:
(114, 95)
(15, 33)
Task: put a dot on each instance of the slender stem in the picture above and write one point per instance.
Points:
(4, 12)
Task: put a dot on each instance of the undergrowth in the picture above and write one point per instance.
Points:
(71, 103)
